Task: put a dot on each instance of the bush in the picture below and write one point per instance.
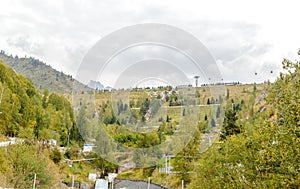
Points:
(55, 156)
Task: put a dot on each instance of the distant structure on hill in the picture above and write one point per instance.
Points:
(223, 83)
(196, 80)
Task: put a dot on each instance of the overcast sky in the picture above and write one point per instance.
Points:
(244, 37)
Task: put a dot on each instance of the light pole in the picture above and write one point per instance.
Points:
(68, 139)
(196, 79)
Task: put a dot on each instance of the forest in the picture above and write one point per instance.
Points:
(255, 130)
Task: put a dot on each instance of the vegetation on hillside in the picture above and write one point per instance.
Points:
(28, 113)
(257, 147)
(44, 76)
(33, 119)
(266, 154)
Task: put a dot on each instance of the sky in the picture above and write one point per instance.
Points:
(243, 37)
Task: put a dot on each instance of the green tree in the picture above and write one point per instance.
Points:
(266, 154)
(197, 94)
(82, 121)
(208, 101)
(145, 107)
(227, 94)
(230, 126)
(55, 156)
(213, 122)
(184, 161)
(26, 133)
(45, 98)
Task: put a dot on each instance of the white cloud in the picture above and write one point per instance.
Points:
(244, 36)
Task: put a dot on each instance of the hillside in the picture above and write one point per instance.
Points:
(266, 153)
(257, 146)
(33, 119)
(44, 76)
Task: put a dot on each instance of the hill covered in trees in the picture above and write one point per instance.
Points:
(33, 117)
(257, 147)
(43, 76)
(266, 152)
(28, 113)
(30, 120)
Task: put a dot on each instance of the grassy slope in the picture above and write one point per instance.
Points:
(237, 93)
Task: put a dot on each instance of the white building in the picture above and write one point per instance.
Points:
(88, 147)
(92, 176)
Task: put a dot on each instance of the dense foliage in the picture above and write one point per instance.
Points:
(29, 114)
(267, 154)
(258, 146)
(31, 119)
(19, 163)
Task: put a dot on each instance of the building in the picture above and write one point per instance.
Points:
(88, 147)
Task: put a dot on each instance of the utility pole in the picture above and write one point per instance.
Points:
(34, 181)
(72, 181)
(148, 182)
(166, 164)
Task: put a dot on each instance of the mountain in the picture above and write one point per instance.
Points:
(96, 85)
(44, 76)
